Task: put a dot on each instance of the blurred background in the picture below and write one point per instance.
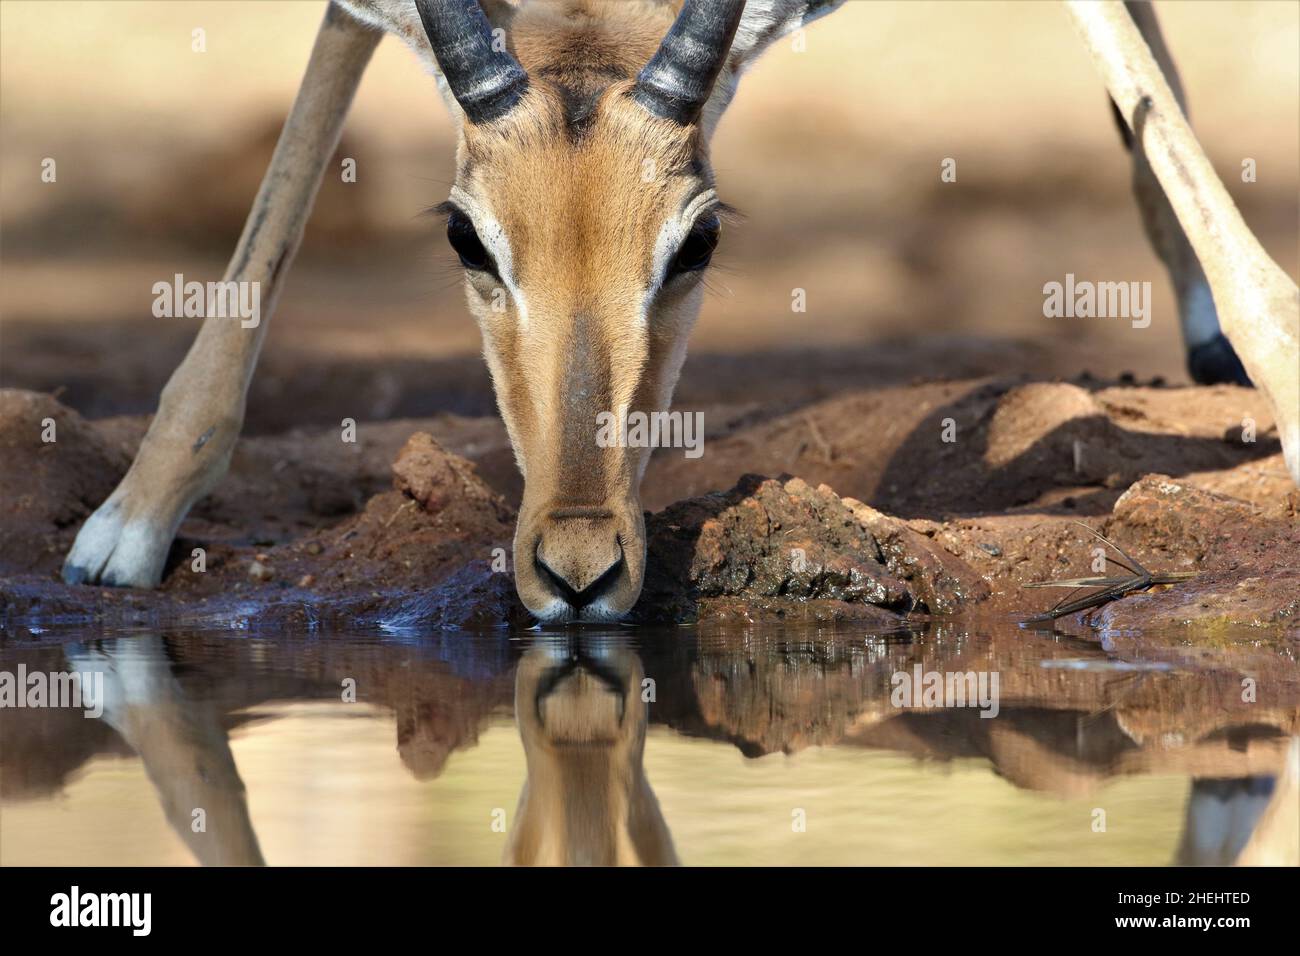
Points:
(833, 154)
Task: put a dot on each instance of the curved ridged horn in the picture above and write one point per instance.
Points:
(676, 83)
(487, 83)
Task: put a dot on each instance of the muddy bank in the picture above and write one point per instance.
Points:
(411, 525)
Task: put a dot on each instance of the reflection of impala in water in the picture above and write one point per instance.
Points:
(1253, 821)
(582, 719)
(183, 746)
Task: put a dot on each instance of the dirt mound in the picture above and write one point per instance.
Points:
(55, 468)
(415, 561)
(770, 549)
(946, 449)
(439, 519)
(1025, 414)
(397, 531)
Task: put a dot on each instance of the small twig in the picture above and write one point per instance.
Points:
(1112, 589)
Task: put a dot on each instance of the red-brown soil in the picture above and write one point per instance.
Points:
(411, 525)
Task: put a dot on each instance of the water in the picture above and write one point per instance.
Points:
(730, 747)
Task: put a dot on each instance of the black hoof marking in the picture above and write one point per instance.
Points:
(74, 575)
(1214, 362)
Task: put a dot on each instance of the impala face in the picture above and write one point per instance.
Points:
(582, 722)
(584, 215)
(583, 259)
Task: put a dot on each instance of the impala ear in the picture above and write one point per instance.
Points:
(766, 21)
(762, 24)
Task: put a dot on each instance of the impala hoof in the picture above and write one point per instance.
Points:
(1214, 363)
(115, 551)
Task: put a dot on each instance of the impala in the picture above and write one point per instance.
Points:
(584, 211)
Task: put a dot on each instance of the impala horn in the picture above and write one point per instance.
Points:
(676, 83)
(486, 82)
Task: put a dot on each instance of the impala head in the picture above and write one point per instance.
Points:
(584, 214)
(582, 721)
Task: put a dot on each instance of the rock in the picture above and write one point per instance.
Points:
(423, 471)
(1217, 604)
(939, 582)
(784, 550)
(1251, 564)
(795, 542)
(817, 612)
(259, 571)
(1203, 528)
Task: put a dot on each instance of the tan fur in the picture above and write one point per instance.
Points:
(1275, 840)
(582, 221)
(586, 800)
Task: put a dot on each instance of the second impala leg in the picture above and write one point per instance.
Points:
(1258, 304)
(201, 410)
(1210, 358)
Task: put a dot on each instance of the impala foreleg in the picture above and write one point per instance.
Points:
(1258, 305)
(1210, 358)
(201, 410)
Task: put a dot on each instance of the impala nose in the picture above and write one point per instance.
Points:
(580, 561)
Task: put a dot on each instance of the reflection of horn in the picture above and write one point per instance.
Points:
(184, 749)
(586, 799)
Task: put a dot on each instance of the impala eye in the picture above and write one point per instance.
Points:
(463, 238)
(697, 250)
